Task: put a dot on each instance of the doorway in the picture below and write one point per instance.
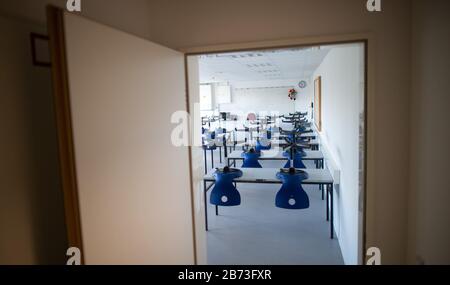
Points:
(326, 84)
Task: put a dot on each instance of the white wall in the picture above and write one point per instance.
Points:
(260, 100)
(342, 73)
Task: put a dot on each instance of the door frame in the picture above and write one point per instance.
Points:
(366, 197)
(64, 126)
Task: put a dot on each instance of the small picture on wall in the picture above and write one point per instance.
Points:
(40, 52)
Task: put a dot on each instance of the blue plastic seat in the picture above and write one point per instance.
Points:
(292, 196)
(251, 159)
(211, 135)
(298, 155)
(263, 145)
(224, 193)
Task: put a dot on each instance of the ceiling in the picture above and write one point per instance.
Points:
(261, 67)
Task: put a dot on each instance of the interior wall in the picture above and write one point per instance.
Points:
(184, 24)
(429, 209)
(130, 15)
(342, 73)
(260, 101)
(304, 99)
(32, 227)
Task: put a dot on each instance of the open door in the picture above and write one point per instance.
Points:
(127, 188)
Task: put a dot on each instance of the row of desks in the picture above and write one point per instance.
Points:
(276, 141)
(318, 176)
(321, 177)
(316, 156)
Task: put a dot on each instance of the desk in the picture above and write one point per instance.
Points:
(312, 135)
(321, 177)
(315, 155)
(314, 143)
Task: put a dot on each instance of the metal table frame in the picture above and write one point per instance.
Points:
(319, 162)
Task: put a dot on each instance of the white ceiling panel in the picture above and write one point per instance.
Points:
(261, 66)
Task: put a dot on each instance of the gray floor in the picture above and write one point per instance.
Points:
(257, 232)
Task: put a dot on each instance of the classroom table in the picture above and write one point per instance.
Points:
(315, 155)
(321, 177)
(312, 135)
(314, 143)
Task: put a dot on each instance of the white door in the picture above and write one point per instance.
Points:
(133, 184)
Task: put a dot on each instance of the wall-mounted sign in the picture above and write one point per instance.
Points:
(73, 5)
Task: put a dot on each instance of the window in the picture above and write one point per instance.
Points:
(205, 97)
(223, 94)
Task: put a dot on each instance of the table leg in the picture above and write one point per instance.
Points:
(225, 149)
(217, 210)
(220, 153)
(212, 159)
(331, 211)
(206, 205)
(327, 204)
(206, 162)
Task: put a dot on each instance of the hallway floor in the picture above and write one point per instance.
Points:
(257, 232)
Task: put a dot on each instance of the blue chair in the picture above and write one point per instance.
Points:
(273, 130)
(224, 193)
(263, 144)
(211, 135)
(219, 131)
(297, 155)
(251, 159)
(291, 195)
